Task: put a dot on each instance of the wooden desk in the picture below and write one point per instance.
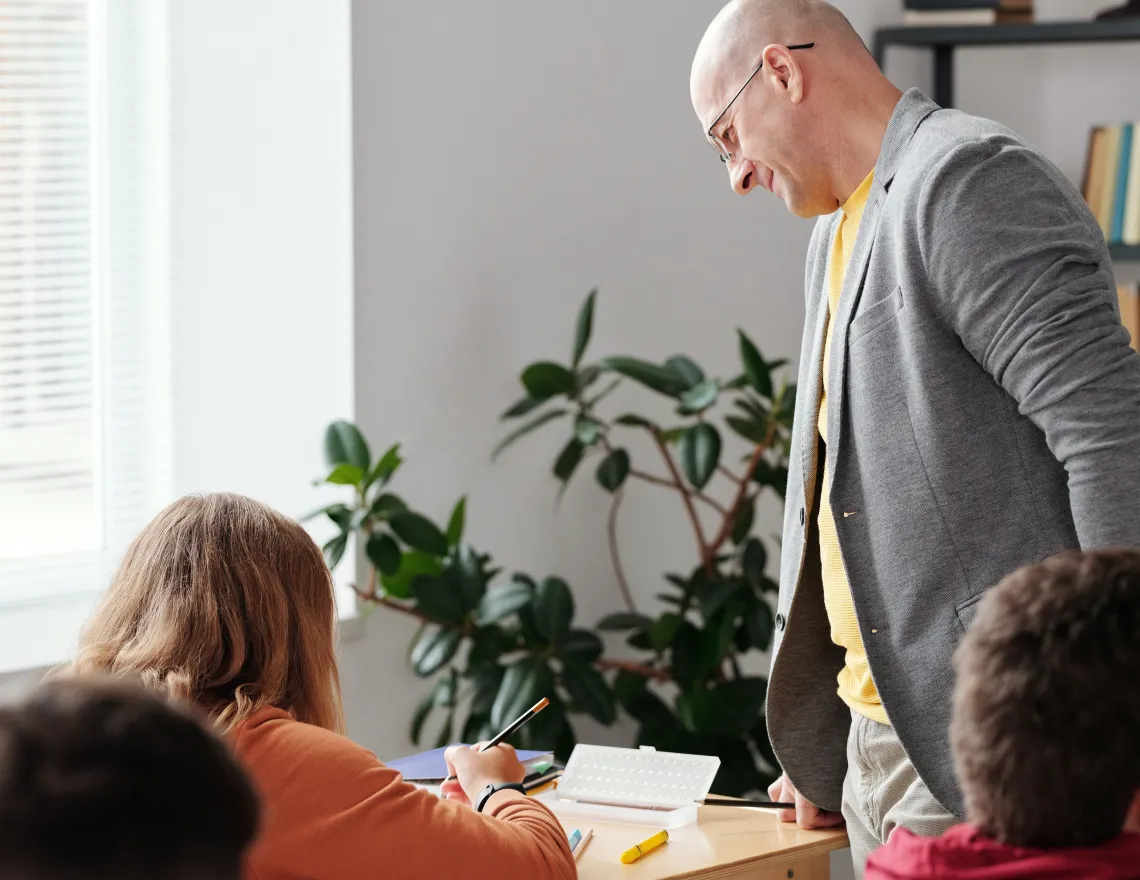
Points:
(726, 842)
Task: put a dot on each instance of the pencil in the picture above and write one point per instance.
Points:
(733, 802)
(518, 722)
(513, 726)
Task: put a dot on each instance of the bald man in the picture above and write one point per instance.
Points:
(968, 401)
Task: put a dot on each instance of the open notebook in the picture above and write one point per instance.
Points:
(430, 768)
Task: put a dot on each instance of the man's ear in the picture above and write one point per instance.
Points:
(1132, 820)
(784, 72)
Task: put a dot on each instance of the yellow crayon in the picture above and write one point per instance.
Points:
(634, 853)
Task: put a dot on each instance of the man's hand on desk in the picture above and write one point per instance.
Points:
(806, 814)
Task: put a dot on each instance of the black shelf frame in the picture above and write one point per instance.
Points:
(944, 40)
(1125, 253)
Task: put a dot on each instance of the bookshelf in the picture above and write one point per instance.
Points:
(943, 41)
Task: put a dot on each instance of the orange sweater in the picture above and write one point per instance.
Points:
(332, 810)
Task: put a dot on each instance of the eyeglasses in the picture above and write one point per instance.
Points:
(717, 143)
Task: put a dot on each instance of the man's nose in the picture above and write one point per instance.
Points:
(742, 176)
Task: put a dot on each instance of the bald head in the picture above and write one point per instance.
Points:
(808, 125)
(743, 28)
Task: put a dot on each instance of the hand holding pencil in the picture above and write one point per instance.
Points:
(490, 763)
(475, 768)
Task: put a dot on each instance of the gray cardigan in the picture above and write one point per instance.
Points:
(985, 414)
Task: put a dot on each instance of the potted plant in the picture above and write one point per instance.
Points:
(494, 650)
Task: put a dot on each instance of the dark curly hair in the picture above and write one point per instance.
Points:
(1046, 728)
(102, 780)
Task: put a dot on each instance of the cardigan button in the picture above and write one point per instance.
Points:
(780, 622)
(801, 516)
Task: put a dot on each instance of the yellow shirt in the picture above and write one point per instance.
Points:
(856, 687)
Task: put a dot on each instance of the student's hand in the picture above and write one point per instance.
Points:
(475, 770)
(806, 814)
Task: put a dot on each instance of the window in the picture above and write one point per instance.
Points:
(84, 375)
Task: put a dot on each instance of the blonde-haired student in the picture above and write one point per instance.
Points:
(224, 602)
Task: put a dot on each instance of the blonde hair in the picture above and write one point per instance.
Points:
(223, 602)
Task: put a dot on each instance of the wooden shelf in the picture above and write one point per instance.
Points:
(1124, 253)
(944, 40)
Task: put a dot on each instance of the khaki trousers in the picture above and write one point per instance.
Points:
(882, 791)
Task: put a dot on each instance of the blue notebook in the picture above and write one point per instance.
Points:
(430, 767)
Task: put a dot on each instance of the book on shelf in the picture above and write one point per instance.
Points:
(1093, 183)
(955, 13)
(1108, 182)
(1120, 192)
(1111, 183)
(964, 17)
(1130, 232)
(944, 5)
(1129, 296)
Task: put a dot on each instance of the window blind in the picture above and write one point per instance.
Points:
(48, 412)
(83, 339)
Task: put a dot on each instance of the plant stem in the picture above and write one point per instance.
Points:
(687, 497)
(724, 471)
(677, 484)
(715, 505)
(669, 484)
(636, 668)
(615, 556)
(741, 491)
(372, 596)
(650, 478)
